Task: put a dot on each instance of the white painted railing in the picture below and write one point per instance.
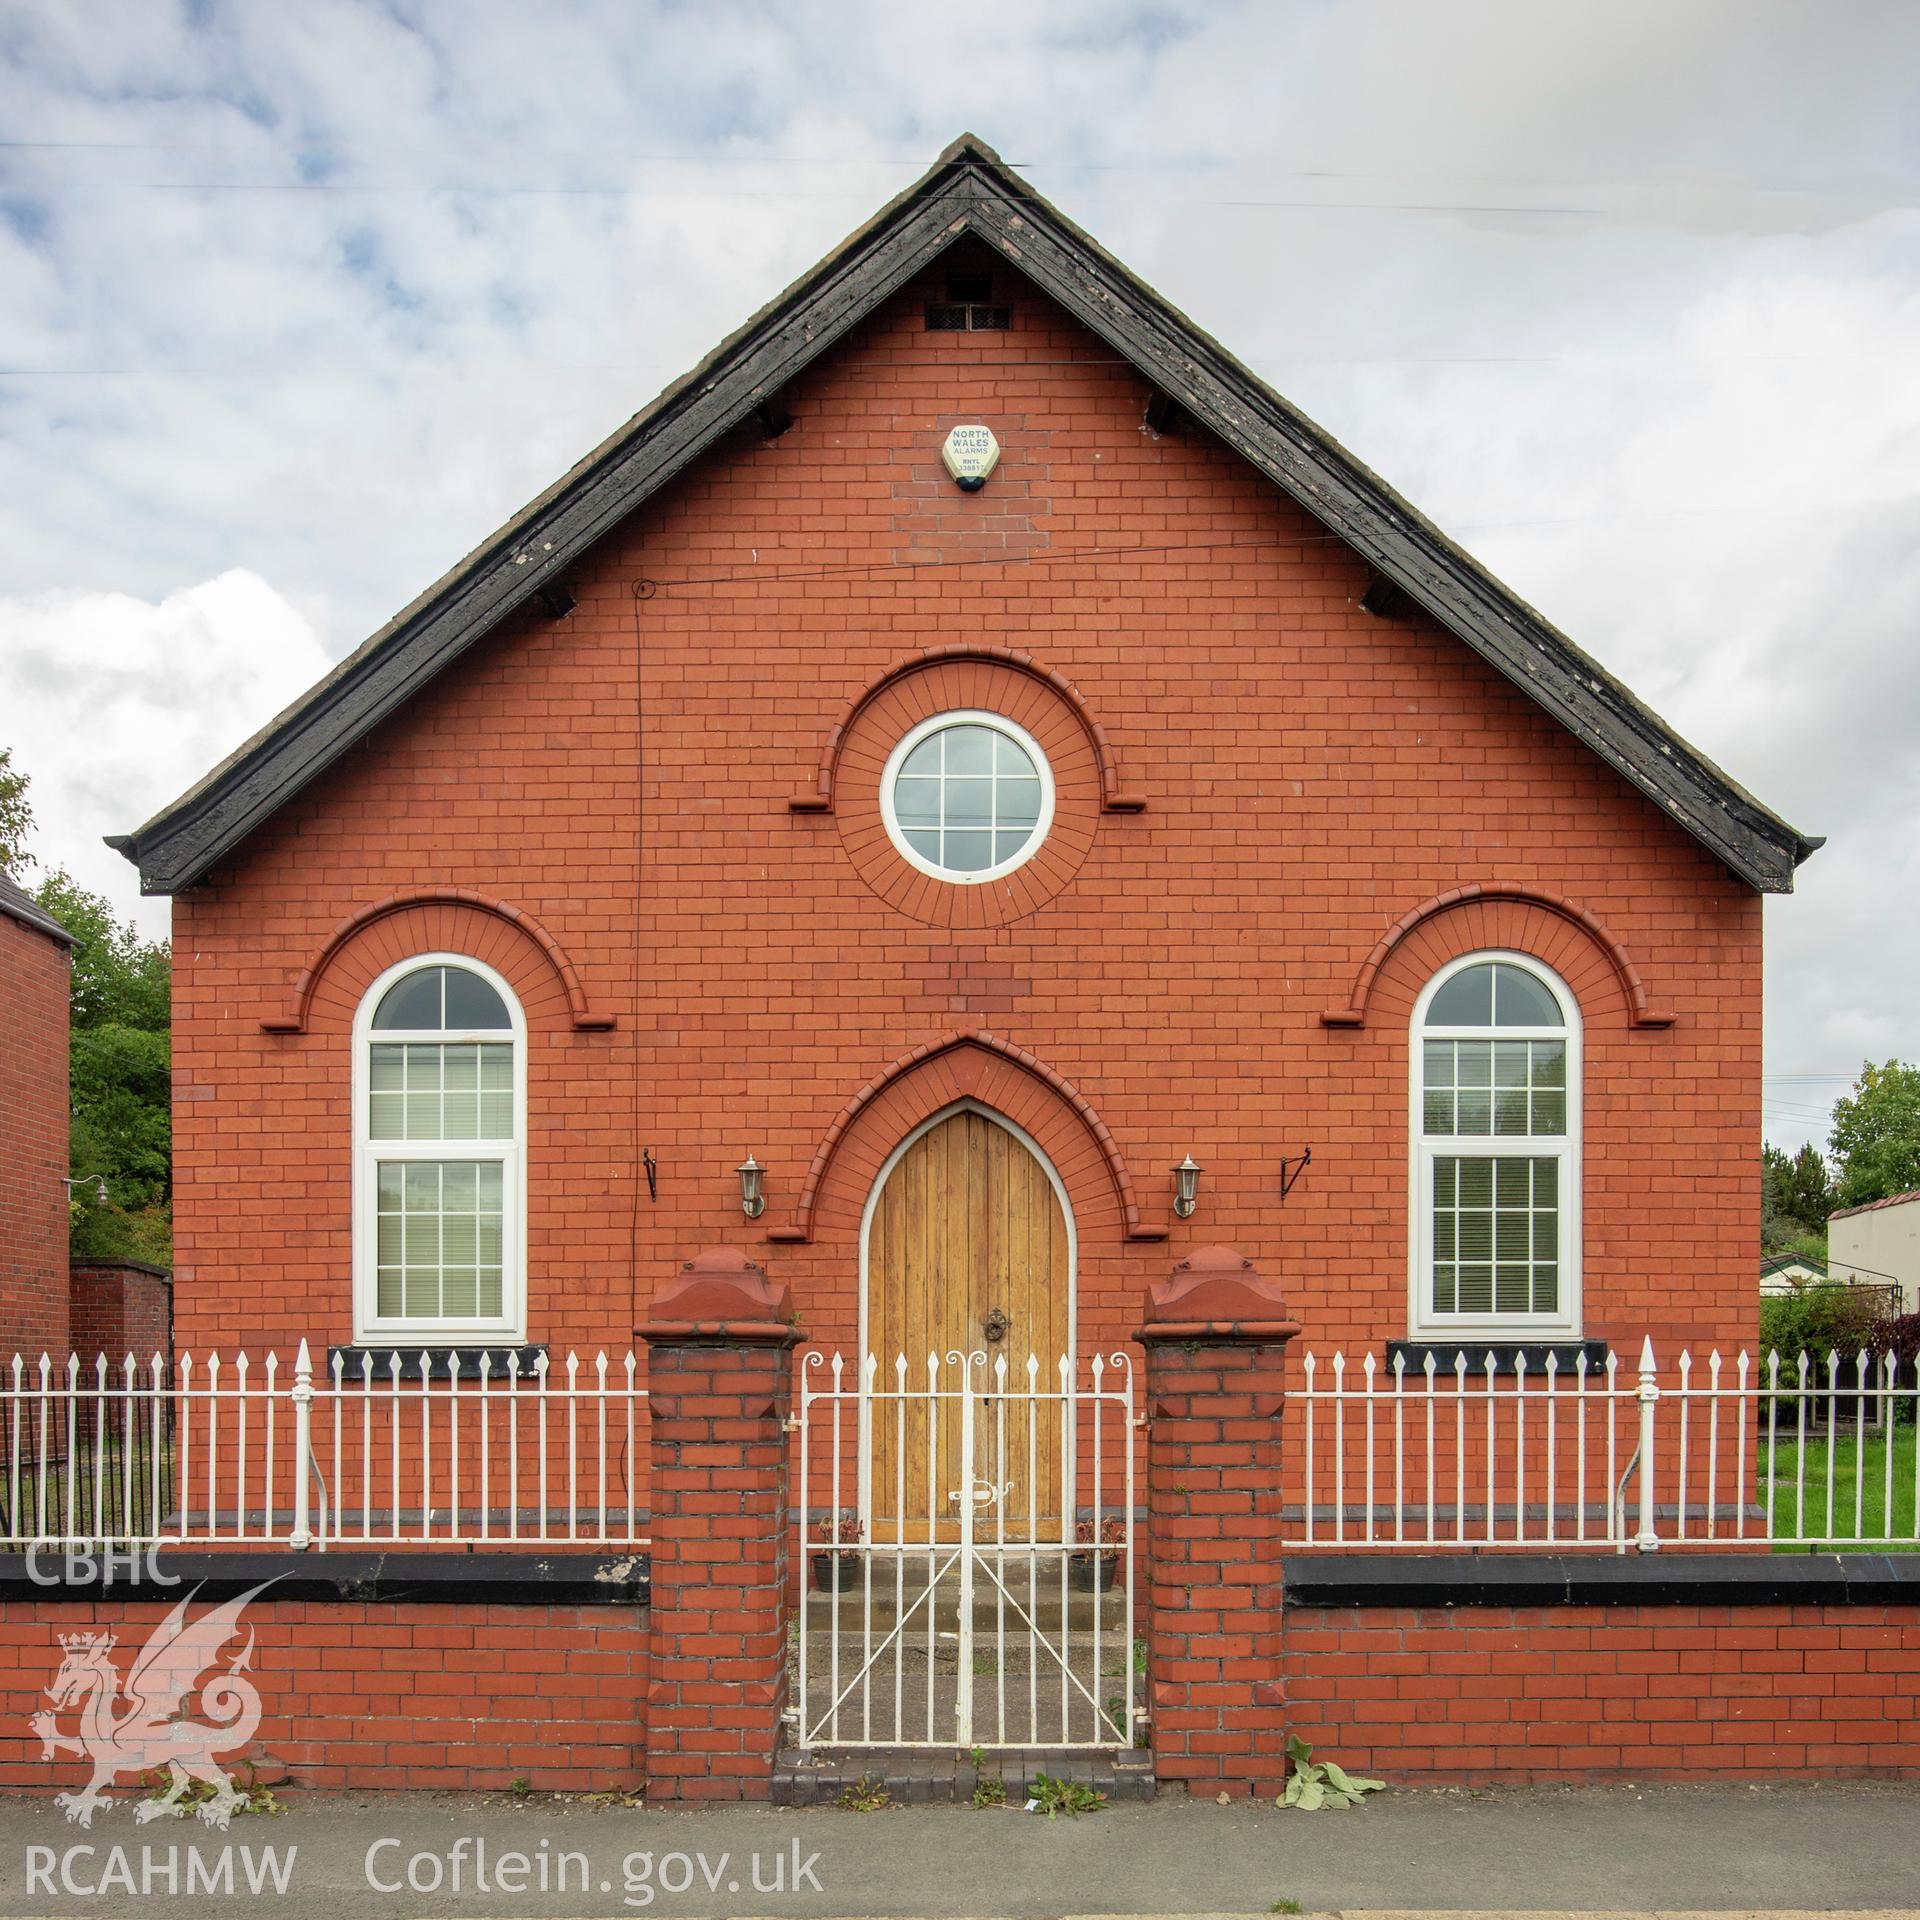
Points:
(1748, 1453)
(398, 1451)
(1737, 1452)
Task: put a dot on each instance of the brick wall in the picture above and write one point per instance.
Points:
(383, 1695)
(721, 1559)
(1310, 773)
(1212, 1613)
(1634, 1692)
(121, 1307)
(34, 975)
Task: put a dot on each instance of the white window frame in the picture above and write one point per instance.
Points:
(369, 1329)
(1424, 1149)
(996, 723)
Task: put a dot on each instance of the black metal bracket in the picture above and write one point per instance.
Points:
(1298, 1167)
(653, 1173)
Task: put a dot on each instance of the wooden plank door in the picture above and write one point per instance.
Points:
(968, 1234)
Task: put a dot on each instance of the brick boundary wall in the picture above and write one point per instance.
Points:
(121, 1307)
(1474, 1695)
(402, 1692)
(1643, 1667)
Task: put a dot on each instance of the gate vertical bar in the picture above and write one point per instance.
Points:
(804, 1705)
(1126, 1449)
(963, 1680)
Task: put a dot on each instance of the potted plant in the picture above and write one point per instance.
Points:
(1096, 1564)
(834, 1568)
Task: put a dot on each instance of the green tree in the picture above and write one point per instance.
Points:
(16, 820)
(1796, 1195)
(1876, 1134)
(121, 1066)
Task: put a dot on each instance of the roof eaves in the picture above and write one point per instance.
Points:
(551, 531)
(1874, 1206)
(967, 188)
(17, 904)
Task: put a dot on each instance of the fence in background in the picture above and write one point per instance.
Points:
(1751, 1453)
(396, 1453)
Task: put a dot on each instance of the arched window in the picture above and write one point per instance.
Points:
(440, 1154)
(1496, 1150)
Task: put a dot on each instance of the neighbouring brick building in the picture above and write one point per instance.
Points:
(887, 851)
(35, 965)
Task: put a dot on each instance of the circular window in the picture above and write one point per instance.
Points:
(967, 796)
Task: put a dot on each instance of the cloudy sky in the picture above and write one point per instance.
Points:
(298, 301)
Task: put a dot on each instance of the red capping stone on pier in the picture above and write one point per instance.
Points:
(1215, 1334)
(720, 1336)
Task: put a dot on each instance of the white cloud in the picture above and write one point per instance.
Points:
(1622, 293)
(115, 705)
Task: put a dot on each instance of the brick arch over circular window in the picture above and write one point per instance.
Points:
(439, 920)
(955, 679)
(969, 1064)
(819, 798)
(1497, 914)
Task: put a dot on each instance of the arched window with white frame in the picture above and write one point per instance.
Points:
(1495, 1219)
(439, 1249)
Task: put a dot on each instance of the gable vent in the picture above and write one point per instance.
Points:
(969, 307)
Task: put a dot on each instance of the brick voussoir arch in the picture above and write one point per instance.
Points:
(819, 797)
(1640, 1012)
(1005, 1076)
(580, 1010)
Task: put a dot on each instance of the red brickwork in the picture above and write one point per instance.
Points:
(1571, 1693)
(719, 1393)
(34, 979)
(1212, 1566)
(1310, 775)
(379, 1695)
(121, 1307)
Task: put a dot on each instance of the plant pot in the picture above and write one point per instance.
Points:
(836, 1572)
(1096, 1572)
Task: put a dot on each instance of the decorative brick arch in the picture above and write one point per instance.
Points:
(1495, 914)
(441, 920)
(970, 1064)
(819, 798)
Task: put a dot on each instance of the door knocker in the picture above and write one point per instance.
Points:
(995, 1326)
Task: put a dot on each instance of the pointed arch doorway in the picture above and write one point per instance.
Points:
(966, 1246)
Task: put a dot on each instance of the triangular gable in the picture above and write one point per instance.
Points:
(968, 191)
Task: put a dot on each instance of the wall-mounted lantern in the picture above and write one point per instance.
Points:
(1186, 1187)
(92, 1180)
(752, 1201)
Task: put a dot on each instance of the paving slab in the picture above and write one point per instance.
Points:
(1666, 1850)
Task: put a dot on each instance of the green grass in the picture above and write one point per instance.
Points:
(1848, 1456)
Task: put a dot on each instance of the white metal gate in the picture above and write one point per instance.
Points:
(942, 1605)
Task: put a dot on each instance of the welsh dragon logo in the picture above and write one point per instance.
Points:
(146, 1726)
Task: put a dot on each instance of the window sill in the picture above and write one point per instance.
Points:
(1506, 1354)
(436, 1356)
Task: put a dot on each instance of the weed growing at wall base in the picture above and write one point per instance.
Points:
(1319, 1783)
